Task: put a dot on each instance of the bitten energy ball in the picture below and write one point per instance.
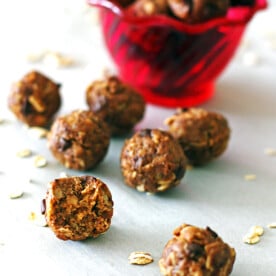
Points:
(79, 140)
(35, 99)
(196, 251)
(203, 135)
(116, 103)
(152, 161)
(77, 208)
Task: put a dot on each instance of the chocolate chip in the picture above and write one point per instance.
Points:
(64, 144)
(138, 161)
(99, 104)
(179, 172)
(43, 206)
(83, 181)
(214, 234)
(145, 132)
(194, 251)
(26, 107)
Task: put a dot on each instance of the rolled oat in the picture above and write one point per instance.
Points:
(16, 194)
(272, 225)
(140, 258)
(251, 239)
(250, 177)
(24, 153)
(40, 161)
(38, 132)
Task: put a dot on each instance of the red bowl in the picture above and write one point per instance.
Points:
(169, 62)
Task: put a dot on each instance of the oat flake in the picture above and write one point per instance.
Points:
(140, 258)
(40, 161)
(272, 225)
(38, 132)
(256, 230)
(251, 239)
(56, 59)
(24, 153)
(254, 234)
(16, 194)
(63, 175)
(270, 151)
(249, 177)
(34, 57)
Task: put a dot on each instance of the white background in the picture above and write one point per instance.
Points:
(216, 194)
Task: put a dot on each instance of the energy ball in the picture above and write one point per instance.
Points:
(203, 135)
(196, 251)
(152, 161)
(79, 140)
(116, 103)
(77, 208)
(188, 11)
(195, 11)
(148, 7)
(35, 99)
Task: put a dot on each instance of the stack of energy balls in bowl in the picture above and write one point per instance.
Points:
(192, 12)
(173, 51)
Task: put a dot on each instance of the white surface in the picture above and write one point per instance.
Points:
(215, 195)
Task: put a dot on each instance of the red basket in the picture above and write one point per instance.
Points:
(169, 62)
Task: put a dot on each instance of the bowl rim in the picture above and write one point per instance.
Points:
(236, 15)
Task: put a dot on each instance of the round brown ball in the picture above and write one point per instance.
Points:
(35, 99)
(79, 140)
(196, 11)
(203, 135)
(116, 103)
(148, 7)
(152, 161)
(77, 208)
(196, 251)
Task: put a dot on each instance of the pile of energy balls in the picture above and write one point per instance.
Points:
(189, 11)
(151, 160)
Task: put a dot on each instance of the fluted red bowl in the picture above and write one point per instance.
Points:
(169, 62)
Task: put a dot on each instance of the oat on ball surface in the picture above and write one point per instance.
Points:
(152, 161)
(116, 103)
(79, 140)
(77, 208)
(34, 99)
(195, 251)
(203, 135)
